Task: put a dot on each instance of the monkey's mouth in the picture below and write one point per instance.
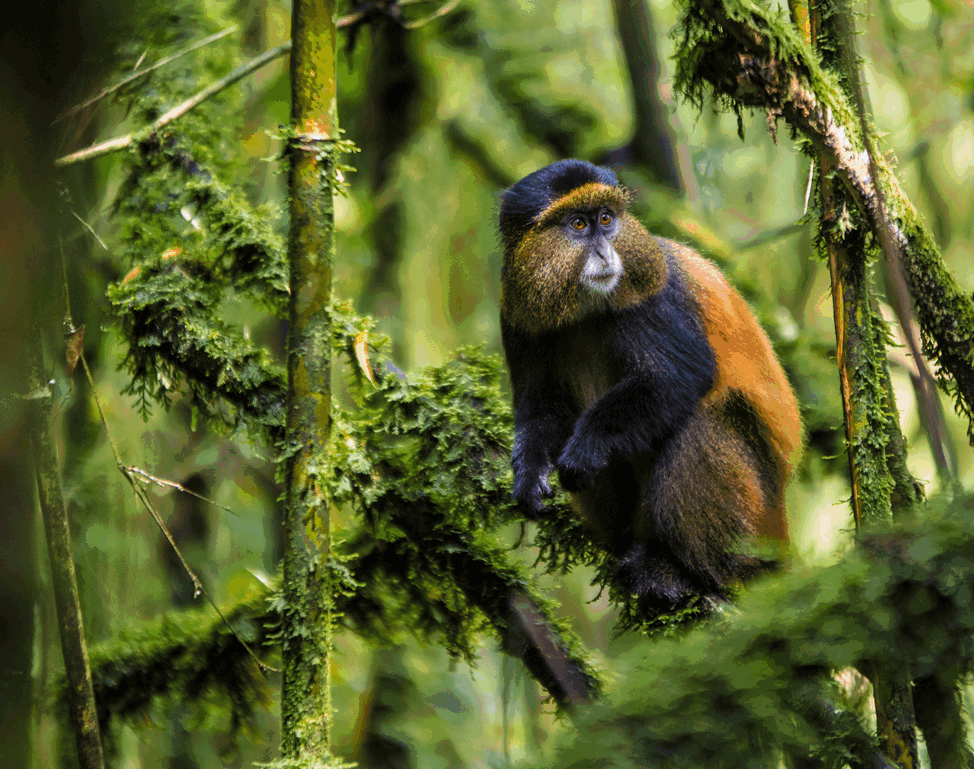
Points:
(601, 282)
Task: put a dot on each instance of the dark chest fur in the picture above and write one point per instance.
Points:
(586, 362)
(662, 339)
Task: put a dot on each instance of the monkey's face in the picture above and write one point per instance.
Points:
(572, 249)
(593, 232)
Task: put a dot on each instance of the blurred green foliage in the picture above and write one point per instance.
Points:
(742, 692)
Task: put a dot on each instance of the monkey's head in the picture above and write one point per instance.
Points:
(572, 249)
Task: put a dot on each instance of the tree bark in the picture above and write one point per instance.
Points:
(307, 622)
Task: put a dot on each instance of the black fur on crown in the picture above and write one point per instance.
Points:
(523, 203)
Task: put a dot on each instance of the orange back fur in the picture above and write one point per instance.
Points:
(746, 363)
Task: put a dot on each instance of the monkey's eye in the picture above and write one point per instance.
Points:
(578, 223)
(605, 218)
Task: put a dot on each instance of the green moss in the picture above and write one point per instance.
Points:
(425, 459)
(756, 688)
(168, 312)
(190, 658)
(713, 33)
(746, 55)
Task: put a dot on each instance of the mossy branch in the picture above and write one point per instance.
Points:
(308, 584)
(426, 461)
(738, 693)
(109, 146)
(235, 239)
(144, 71)
(451, 422)
(122, 142)
(752, 685)
(190, 657)
(404, 581)
(168, 305)
(167, 314)
(453, 585)
(750, 57)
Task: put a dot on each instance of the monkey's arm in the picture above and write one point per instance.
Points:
(641, 412)
(543, 422)
(541, 429)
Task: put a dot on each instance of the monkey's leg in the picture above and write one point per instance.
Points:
(647, 570)
(651, 573)
(705, 497)
(608, 506)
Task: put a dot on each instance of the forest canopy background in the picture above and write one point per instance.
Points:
(446, 116)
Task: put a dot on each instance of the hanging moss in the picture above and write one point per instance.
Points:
(168, 314)
(190, 657)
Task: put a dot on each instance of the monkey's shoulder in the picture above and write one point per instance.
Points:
(746, 366)
(728, 321)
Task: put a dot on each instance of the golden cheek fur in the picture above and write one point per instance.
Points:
(540, 287)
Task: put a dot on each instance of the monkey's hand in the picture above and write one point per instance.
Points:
(529, 495)
(579, 464)
(531, 486)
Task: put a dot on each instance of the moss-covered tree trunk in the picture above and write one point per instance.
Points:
(875, 445)
(307, 619)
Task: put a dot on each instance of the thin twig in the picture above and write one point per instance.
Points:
(143, 72)
(808, 187)
(443, 10)
(173, 485)
(364, 11)
(141, 495)
(121, 142)
(198, 588)
(769, 236)
(91, 230)
(144, 499)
